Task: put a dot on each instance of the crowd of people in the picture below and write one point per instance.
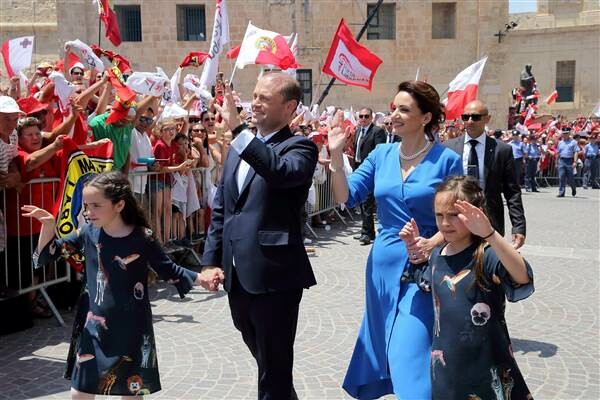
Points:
(239, 179)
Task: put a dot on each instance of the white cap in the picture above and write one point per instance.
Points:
(8, 105)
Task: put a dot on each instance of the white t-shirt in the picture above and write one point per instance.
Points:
(140, 147)
(8, 151)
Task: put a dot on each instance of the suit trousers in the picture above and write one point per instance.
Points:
(565, 175)
(367, 209)
(530, 173)
(268, 324)
(590, 174)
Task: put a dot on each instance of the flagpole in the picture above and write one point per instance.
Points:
(358, 36)
(233, 73)
(99, 30)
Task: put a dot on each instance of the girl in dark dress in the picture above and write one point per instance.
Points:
(470, 278)
(113, 351)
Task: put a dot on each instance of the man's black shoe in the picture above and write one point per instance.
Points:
(560, 195)
(573, 192)
(365, 240)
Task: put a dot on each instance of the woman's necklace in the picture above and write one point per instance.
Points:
(417, 154)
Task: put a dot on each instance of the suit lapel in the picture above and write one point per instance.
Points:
(277, 138)
(488, 158)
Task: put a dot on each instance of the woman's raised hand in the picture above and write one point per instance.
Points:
(337, 135)
(38, 213)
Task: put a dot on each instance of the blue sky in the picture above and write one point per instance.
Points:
(519, 6)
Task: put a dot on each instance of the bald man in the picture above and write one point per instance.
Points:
(491, 162)
(254, 244)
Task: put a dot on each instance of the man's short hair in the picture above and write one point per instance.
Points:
(369, 109)
(290, 90)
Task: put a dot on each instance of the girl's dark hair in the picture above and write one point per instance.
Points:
(467, 188)
(180, 136)
(428, 100)
(116, 187)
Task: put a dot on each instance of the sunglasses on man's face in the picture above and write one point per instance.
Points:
(196, 130)
(77, 73)
(387, 123)
(364, 116)
(145, 120)
(208, 119)
(474, 117)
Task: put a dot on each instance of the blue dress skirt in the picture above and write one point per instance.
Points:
(392, 351)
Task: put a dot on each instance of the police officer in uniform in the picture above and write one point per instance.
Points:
(567, 151)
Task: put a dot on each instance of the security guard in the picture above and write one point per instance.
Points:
(591, 163)
(533, 152)
(518, 149)
(567, 151)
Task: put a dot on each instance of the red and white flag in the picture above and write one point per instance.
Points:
(17, 54)
(294, 47)
(220, 37)
(87, 55)
(265, 47)
(349, 61)
(552, 98)
(463, 89)
(234, 52)
(530, 116)
(109, 18)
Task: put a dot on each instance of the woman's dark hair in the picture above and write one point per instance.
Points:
(428, 100)
(116, 187)
(467, 188)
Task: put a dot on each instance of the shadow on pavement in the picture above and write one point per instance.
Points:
(525, 346)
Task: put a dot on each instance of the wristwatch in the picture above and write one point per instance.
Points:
(238, 129)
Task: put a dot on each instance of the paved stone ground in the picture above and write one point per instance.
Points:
(555, 332)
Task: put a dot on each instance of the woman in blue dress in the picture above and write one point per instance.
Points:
(392, 351)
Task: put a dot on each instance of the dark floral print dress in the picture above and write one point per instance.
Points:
(471, 355)
(112, 346)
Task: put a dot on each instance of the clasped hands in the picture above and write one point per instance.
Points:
(210, 278)
(418, 247)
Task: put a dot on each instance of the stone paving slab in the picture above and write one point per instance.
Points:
(201, 356)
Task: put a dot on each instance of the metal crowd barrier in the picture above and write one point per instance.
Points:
(324, 202)
(17, 274)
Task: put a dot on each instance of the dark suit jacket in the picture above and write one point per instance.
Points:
(499, 178)
(261, 226)
(374, 136)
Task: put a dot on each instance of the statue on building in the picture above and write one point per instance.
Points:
(528, 85)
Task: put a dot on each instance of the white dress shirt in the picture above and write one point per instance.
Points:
(239, 144)
(480, 149)
(358, 157)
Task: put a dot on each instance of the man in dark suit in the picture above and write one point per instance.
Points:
(390, 136)
(254, 244)
(491, 162)
(366, 137)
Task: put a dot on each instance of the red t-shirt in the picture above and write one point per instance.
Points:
(40, 194)
(165, 155)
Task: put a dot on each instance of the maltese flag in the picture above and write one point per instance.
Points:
(17, 54)
(349, 61)
(552, 98)
(463, 89)
(265, 47)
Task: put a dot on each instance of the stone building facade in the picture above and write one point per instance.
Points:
(437, 37)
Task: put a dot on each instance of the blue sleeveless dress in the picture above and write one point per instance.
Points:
(392, 351)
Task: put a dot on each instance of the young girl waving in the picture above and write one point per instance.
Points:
(470, 278)
(112, 347)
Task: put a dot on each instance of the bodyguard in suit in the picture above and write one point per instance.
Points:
(491, 161)
(366, 137)
(390, 136)
(254, 244)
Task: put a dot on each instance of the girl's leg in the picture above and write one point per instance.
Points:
(77, 395)
(158, 209)
(168, 210)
